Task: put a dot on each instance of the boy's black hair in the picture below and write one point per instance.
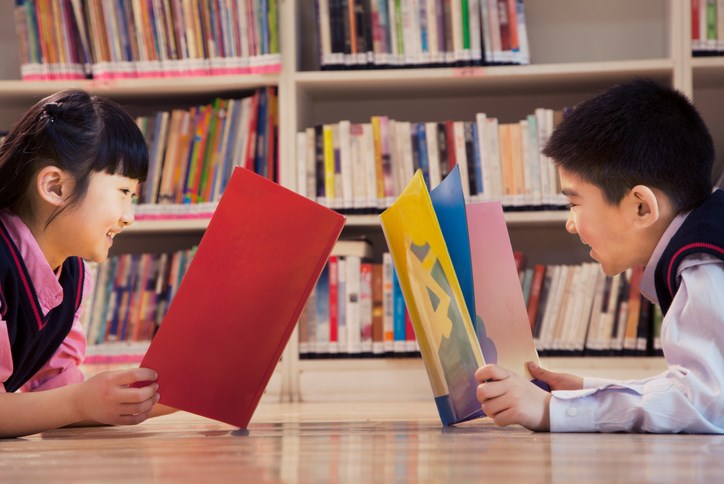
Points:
(637, 133)
(76, 132)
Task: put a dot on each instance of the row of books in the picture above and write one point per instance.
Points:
(367, 165)
(578, 310)
(131, 295)
(357, 308)
(109, 39)
(401, 33)
(707, 27)
(192, 151)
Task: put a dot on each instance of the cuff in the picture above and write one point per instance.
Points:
(572, 412)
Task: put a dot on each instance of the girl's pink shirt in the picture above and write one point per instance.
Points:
(63, 367)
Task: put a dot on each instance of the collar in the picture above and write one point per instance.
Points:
(42, 277)
(648, 287)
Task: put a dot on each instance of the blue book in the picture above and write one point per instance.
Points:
(322, 343)
(449, 204)
(398, 313)
(477, 164)
(422, 152)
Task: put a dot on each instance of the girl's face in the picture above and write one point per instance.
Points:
(89, 227)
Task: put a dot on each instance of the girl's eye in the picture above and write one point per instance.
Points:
(125, 191)
(571, 205)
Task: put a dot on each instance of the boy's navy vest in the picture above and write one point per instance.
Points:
(701, 232)
(34, 338)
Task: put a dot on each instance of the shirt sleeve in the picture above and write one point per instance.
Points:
(684, 398)
(63, 367)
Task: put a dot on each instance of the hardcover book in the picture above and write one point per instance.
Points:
(240, 299)
(457, 273)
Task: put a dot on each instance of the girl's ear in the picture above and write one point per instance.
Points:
(53, 185)
(646, 204)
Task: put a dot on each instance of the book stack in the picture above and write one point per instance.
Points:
(497, 161)
(354, 34)
(707, 27)
(192, 152)
(78, 39)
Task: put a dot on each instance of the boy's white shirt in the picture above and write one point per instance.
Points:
(687, 397)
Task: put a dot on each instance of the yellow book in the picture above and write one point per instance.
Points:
(444, 331)
(328, 163)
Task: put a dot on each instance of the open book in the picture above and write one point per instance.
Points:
(457, 273)
(240, 299)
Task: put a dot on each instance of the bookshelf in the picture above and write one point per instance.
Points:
(577, 49)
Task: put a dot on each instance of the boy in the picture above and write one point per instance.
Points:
(635, 163)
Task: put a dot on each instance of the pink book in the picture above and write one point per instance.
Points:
(499, 300)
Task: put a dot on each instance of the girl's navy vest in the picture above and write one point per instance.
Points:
(701, 232)
(34, 338)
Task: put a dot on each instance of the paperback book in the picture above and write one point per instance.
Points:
(457, 272)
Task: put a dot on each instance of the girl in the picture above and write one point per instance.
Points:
(68, 173)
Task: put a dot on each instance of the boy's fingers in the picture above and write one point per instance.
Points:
(488, 390)
(537, 371)
(491, 372)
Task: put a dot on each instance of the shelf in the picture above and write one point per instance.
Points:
(168, 225)
(22, 92)
(708, 72)
(545, 217)
(554, 78)
(405, 378)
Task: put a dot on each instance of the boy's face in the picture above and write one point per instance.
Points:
(604, 227)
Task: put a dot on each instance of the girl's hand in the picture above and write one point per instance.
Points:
(509, 398)
(109, 398)
(557, 381)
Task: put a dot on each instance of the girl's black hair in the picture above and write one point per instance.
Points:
(636, 133)
(80, 134)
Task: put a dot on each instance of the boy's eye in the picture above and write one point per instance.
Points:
(571, 205)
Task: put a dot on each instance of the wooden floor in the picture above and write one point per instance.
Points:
(382, 442)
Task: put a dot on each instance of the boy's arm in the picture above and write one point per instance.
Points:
(684, 398)
(106, 398)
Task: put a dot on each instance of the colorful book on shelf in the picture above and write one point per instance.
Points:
(240, 299)
(457, 274)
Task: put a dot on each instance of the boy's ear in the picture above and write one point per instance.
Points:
(53, 185)
(645, 205)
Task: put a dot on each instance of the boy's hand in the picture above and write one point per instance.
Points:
(509, 398)
(557, 381)
(109, 398)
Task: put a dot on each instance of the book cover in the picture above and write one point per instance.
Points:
(443, 249)
(240, 299)
(444, 332)
(502, 316)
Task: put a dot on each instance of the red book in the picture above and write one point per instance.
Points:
(333, 267)
(450, 143)
(240, 299)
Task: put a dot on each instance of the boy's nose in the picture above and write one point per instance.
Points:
(570, 225)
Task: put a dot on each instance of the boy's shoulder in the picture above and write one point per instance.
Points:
(701, 234)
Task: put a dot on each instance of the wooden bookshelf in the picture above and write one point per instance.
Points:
(577, 49)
